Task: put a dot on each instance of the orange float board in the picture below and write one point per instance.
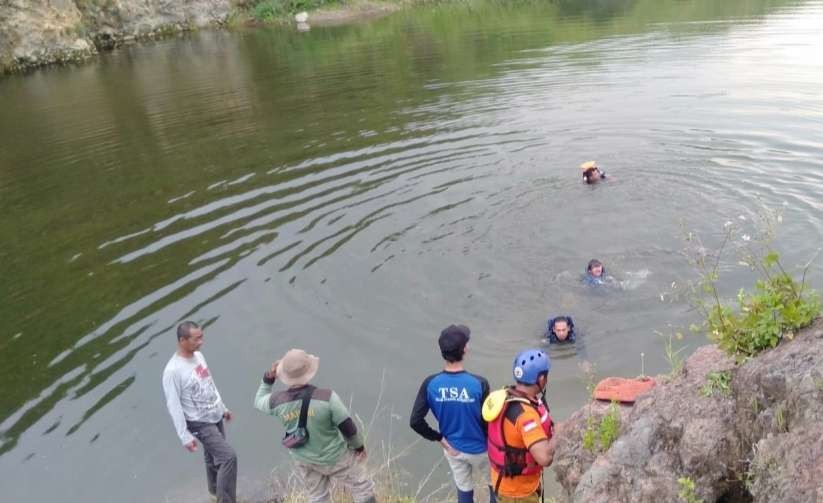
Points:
(622, 389)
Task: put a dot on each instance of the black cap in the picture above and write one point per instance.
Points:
(452, 341)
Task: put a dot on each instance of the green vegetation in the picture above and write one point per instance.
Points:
(672, 355)
(269, 10)
(776, 309)
(780, 419)
(755, 405)
(717, 383)
(778, 306)
(599, 438)
(687, 492)
(589, 435)
(609, 427)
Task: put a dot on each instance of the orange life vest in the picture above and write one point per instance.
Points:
(511, 461)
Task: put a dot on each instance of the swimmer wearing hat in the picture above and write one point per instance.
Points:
(592, 172)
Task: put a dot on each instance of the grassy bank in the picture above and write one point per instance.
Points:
(320, 11)
(273, 10)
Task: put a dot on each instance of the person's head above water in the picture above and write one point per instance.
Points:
(561, 329)
(595, 268)
(591, 172)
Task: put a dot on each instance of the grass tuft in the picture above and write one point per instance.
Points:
(774, 310)
(600, 437)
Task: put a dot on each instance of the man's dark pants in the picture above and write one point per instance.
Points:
(221, 460)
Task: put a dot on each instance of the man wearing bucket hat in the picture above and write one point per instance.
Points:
(520, 430)
(455, 396)
(321, 437)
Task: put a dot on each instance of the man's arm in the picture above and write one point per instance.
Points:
(342, 419)
(171, 388)
(262, 399)
(417, 420)
(540, 445)
(484, 389)
(543, 451)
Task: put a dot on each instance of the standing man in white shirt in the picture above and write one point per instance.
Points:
(197, 411)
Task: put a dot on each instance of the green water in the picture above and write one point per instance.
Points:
(352, 190)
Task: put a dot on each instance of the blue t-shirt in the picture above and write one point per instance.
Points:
(455, 399)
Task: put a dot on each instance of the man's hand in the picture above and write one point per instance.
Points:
(191, 446)
(451, 451)
(272, 373)
(228, 416)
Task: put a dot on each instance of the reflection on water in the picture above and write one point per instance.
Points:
(351, 190)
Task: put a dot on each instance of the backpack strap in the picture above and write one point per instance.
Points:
(304, 407)
(501, 469)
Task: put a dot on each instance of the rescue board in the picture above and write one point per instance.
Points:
(622, 389)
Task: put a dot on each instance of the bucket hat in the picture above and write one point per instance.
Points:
(297, 367)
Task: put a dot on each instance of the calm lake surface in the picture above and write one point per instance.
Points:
(353, 190)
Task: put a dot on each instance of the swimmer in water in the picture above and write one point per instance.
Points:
(560, 330)
(596, 274)
(592, 172)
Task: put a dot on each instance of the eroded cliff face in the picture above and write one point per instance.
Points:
(39, 32)
(761, 441)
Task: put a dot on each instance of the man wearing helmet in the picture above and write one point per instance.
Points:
(520, 440)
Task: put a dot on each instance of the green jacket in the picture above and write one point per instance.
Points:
(331, 429)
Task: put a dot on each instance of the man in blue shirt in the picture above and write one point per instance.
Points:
(456, 397)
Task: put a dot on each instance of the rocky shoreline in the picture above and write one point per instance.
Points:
(40, 32)
(36, 33)
(758, 440)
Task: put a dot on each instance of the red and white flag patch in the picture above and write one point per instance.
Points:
(529, 425)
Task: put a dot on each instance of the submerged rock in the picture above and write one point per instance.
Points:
(757, 435)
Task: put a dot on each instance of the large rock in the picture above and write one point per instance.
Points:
(112, 21)
(37, 32)
(762, 442)
(572, 460)
(779, 414)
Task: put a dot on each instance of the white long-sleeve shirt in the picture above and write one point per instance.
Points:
(191, 394)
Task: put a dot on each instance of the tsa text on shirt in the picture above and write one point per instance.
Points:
(454, 395)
